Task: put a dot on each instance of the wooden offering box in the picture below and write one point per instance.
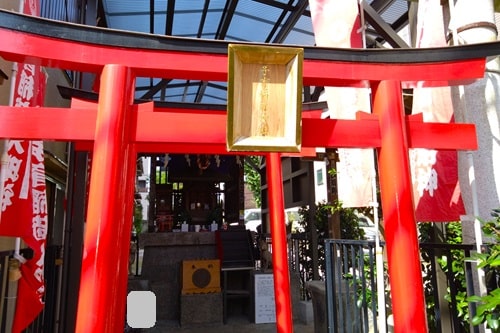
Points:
(264, 98)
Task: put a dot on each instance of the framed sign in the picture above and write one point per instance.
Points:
(265, 306)
(264, 98)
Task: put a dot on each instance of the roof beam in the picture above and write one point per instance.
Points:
(74, 47)
(227, 17)
(169, 23)
(201, 91)
(382, 27)
(164, 129)
(157, 87)
(381, 5)
(278, 21)
(152, 16)
(291, 21)
(203, 19)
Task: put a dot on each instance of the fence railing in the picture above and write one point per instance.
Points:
(351, 288)
(348, 268)
(47, 319)
(438, 261)
(298, 259)
(4, 278)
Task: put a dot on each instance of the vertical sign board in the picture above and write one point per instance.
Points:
(265, 310)
(264, 100)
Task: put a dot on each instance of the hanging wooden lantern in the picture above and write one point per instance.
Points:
(264, 98)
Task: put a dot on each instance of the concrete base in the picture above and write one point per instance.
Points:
(318, 294)
(162, 264)
(306, 315)
(295, 293)
(201, 309)
(138, 284)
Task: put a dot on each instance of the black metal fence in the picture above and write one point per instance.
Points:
(4, 278)
(442, 273)
(351, 286)
(352, 290)
(300, 261)
(47, 320)
(348, 268)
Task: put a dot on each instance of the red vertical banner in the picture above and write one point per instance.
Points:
(24, 202)
(23, 192)
(434, 173)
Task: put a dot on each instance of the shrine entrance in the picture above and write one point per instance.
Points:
(198, 189)
(115, 129)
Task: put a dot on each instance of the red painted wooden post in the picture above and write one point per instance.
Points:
(405, 272)
(124, 233)
(282, 296)
(102, 297)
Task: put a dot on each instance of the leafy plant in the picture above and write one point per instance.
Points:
(137, 224)
(348, 227)
(450, 234)
(252, 177)
(488, 309)
(457, 265)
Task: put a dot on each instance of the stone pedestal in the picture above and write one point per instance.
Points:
(295, 293)
(305, 309)
(162, 265)
(201, 309)
(318, 293)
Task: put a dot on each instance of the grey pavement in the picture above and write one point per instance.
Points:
(234, 324)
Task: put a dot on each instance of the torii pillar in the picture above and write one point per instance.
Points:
(405, 271)
(107, 234)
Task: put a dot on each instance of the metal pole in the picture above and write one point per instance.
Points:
(5, 153)
(312, 225)
(278, 235)
(379, 262)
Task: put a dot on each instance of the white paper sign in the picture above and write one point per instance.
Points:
(265, 310)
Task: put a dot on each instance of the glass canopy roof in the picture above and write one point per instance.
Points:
(262, 21)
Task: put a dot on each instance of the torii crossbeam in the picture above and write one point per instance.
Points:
(117, 129)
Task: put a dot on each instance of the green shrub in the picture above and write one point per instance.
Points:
(488, 306)
(349, 229)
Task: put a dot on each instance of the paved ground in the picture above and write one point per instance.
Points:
(234, 325)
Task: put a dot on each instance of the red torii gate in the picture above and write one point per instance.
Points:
(119, 129)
